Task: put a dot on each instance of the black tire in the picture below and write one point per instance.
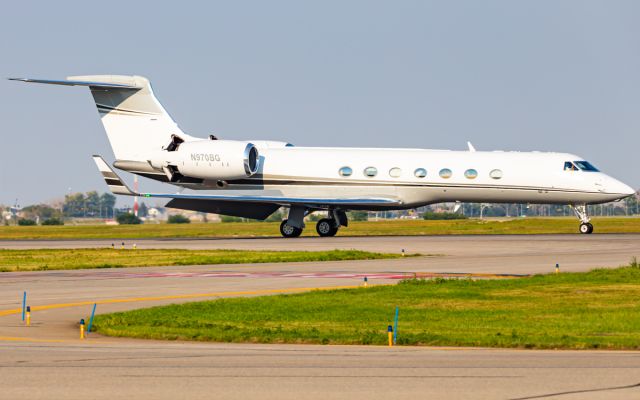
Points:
(326, 227)
(289, 231)
(586, 228)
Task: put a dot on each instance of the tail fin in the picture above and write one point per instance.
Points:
(135, 121)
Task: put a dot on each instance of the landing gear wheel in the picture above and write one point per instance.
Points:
(326, 227)
(586, 228)
(289, 231)
(581, 212)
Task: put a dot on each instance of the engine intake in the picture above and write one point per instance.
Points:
(251, 158)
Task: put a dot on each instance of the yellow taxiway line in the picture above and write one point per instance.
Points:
(25, 339)
(173, 297)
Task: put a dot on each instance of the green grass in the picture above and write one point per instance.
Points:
(267, 229)
(598, 309)
(50, 259)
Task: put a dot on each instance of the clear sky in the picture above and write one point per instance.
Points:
(506, 75)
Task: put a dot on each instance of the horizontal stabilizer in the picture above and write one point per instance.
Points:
(116, 185)
(78, 83)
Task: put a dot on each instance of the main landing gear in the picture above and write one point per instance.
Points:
(326, 227)
(289, 231)
(581, 212)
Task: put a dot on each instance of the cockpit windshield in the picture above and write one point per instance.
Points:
(580, 165)
(586, 166)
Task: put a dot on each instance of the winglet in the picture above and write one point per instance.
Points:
(116, 185)
(471, 148)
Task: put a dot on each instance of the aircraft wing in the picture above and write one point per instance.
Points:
(117, 186)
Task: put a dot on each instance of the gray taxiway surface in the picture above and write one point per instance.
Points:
(57, 365)
(473, 253)
(155, 370)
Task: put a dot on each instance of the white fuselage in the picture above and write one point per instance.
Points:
(476, 176)
(146, 141)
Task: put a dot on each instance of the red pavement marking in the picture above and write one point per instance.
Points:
(224, 274)
(209, 274)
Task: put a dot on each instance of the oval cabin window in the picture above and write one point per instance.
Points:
(471, 174)
(496, 174)
(445, 173)
(370, 172)
(345, 171)
(395, 172)
(420, 173)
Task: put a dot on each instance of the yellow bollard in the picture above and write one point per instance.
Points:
(122, 247)
(557, 268)
(135, 246)
(28, 316)
(82, 328)
(366, 281)
(390, 334)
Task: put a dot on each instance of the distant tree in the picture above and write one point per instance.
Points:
(128, 219)
(42, 211)
(359, 216)
(315, 217)
(229, 218)
(178, 219)
(74, 205)
(26, 222)
(494, 211)
(275, 217)
(53, 221)
(143, 210)
(92, 204)
(107, 202)
(619, 211)
(633, 204)
(429, 215)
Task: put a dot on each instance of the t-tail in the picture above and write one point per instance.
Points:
(136, 123)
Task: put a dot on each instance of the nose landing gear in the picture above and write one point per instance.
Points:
(586, 228)
(581, 212)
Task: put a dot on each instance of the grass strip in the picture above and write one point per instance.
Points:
(594, 310)
(53, 259)
(369, 228)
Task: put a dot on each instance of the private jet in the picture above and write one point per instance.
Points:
(254, 178)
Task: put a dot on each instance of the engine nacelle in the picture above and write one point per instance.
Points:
(208, 159)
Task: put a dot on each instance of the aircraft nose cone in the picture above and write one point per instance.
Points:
(619, 187)
(614, 186)
(628, 190)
